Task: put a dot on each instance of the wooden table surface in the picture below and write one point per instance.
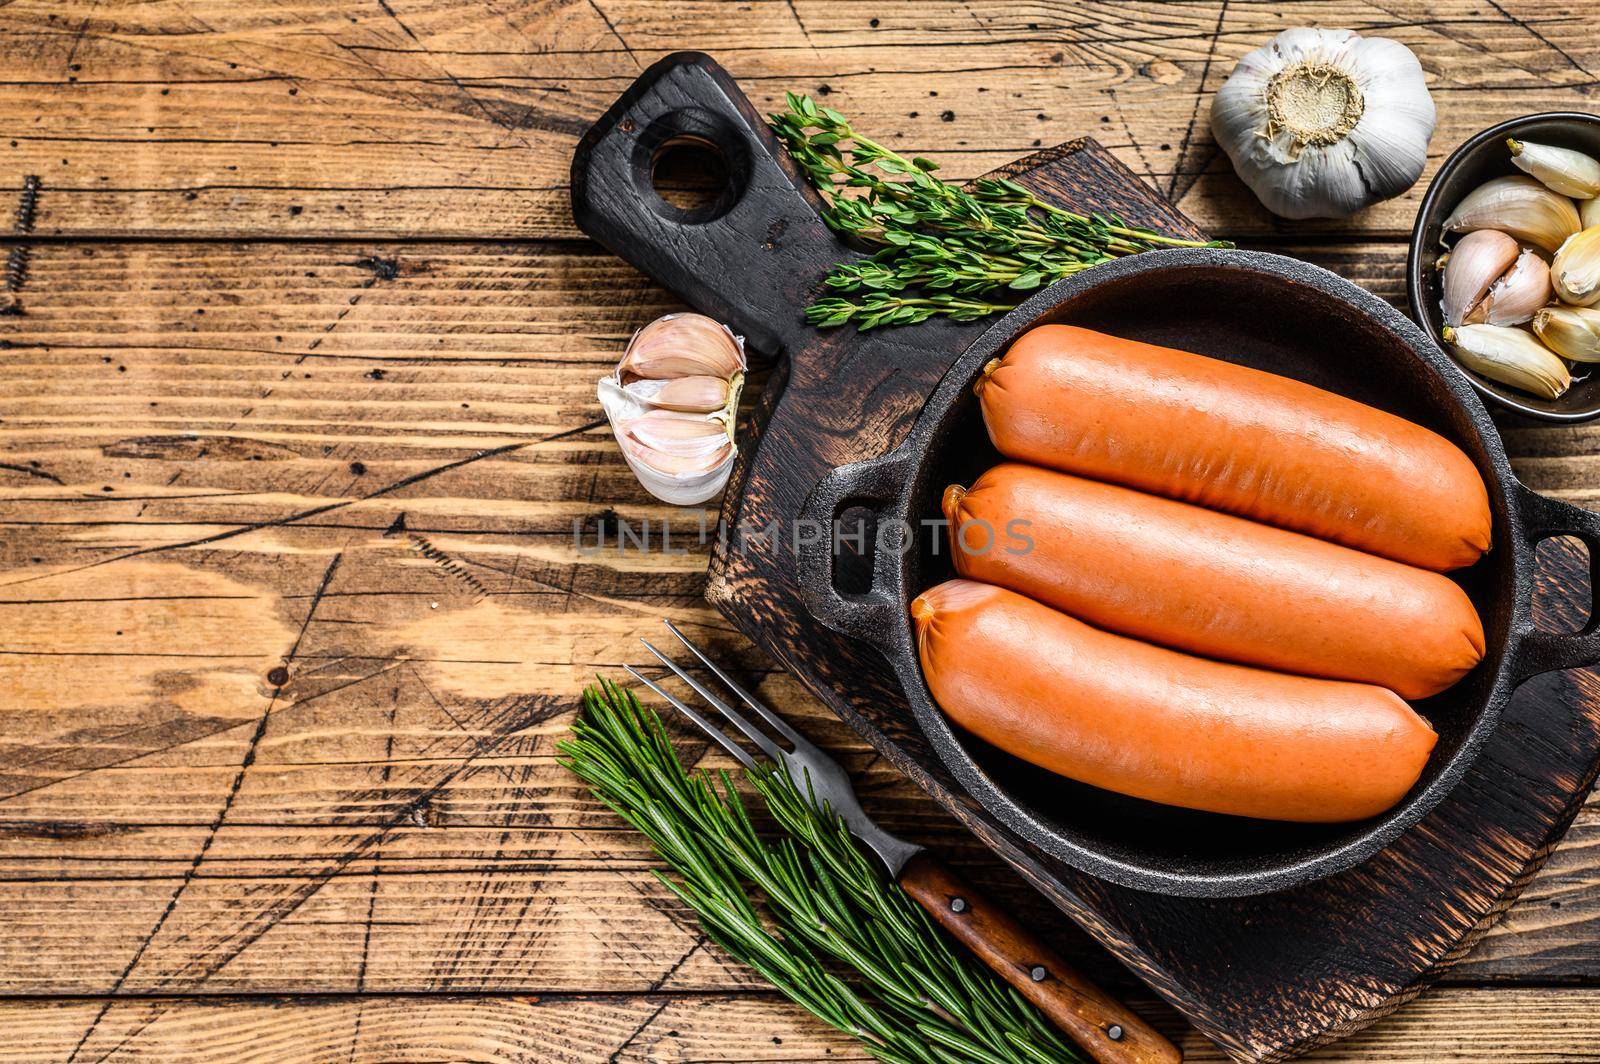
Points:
(299, 447)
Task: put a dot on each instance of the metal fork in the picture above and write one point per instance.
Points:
(1107, 1030)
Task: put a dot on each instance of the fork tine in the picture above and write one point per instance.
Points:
(751, 732)
(705, 725)
(778, 724)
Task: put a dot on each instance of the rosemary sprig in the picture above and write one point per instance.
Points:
(833, 934)
(997, 240)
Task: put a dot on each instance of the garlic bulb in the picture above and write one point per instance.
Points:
(1510, 356)
(1474, 264)
(1576, 269)
(1589, 213)
(1571, 173)
(1320, 123)
(1519, 206)
(1516, 295)
(1572, 332)
(672, 402)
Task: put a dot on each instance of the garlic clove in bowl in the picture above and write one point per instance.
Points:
(1475, 263)
(1510, 356)
(1516, 295)
(1571, 332)
(1520, 206)
(1320, 123)
(1589, 213)
(1576, 269)
(1561, 170)
(672, 403)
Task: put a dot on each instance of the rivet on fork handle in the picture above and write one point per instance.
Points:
(1103, 1027)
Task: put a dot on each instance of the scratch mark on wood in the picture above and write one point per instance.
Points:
(626, 47)
(1528, 28)
(317, 511)
(17, 260)
(32, 472)
(216, 822)
(1199, 98)
(372, 890)
(449, 565)
(537, 711)
(212, 726)
(679, 963)
(798, 22)
(616, 1054)
(77, 37)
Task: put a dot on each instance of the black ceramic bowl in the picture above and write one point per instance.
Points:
(1482, 159)
(1275, 314)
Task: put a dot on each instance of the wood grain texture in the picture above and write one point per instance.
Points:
(1522, 1026)
(428, 117)
(389, 819)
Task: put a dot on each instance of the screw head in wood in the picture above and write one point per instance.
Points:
(1114, 1032)
(1037, 973)
(958, 905)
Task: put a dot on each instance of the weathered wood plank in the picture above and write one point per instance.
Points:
(435, 118)
(1522, 1026)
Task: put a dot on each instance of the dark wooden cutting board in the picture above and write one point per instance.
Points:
(1266, 977)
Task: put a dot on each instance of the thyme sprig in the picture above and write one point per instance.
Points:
(996, 241)
(829, 929)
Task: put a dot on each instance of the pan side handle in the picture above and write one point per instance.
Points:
(754, 256)
(1541, 651)
(870, 614)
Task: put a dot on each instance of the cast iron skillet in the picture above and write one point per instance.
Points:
(1275, 314)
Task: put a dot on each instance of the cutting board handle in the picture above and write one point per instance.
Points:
(753, 257)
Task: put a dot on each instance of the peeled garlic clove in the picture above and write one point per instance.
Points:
(1474, 264)
(700, 395)
(1589, 212)
(1519, 206)
(1576, 269)
(1571, 173)
(1572, 332)
(682, 345)
(1516, 295)
(1510, 356)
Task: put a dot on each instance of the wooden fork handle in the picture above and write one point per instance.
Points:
(1103, 1027)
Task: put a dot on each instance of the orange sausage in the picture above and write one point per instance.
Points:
(1212, 584)
(1238, 440)
(1142, 720)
